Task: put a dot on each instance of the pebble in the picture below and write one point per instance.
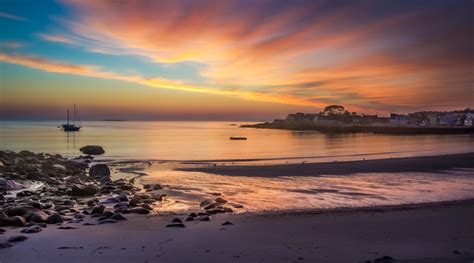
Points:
(176, 225)
(31, 230)
(17, 238)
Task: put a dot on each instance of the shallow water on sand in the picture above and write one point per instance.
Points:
(259, 194)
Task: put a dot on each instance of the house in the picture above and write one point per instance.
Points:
(300, 116)
(398, 119)
(452, 119)
(432, 118)
(469, 118)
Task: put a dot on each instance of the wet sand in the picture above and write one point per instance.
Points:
(442, 232)
(393, 165)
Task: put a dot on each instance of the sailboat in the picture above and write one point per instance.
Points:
(68, 127)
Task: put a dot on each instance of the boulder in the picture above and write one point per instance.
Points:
(21, 210)
(118, 217)
(220, 200)
(39, 217)
(139, 210)
(13, 221)
(98, 210)
(54, 218)
(100, 172)
(92, 150)
(83, 190)
(9, 185)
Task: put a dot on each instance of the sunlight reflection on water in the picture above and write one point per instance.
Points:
(258, 194)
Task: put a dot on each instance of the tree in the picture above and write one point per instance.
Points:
(334, 110)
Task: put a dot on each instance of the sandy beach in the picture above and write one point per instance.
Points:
(393, 165)
(419, 232)
(441, 232)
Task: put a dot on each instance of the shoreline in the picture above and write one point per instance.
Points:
(353, 128)
(434, 163)
(362, 209)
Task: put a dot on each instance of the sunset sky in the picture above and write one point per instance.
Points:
(233, 60)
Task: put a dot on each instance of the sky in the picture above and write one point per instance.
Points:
(232, 60)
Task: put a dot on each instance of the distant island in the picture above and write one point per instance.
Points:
(113, 120)
(336, 119)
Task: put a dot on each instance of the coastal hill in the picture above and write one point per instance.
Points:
(335, 119)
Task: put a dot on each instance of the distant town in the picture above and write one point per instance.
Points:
(335, 118)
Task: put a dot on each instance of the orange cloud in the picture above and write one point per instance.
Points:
(92, 71)
(307, 53)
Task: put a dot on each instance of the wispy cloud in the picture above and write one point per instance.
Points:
(57, 38)
(157, 82)
(11, 44)
(12, 17)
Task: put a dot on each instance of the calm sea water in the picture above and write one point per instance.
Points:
(181, 141)
(210, 140)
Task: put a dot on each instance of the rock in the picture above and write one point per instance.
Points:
(20, 210)
(204, 218)
(54, 218)
(92, 150)
(118, 217)
(220, 200)
(31, 229)
(35, 205)
(147, 207)
(177, 220)
(13, 221)
(107, 221)
(17, 238)
(139, 210)
(110, 200)
(108, 212)
(152, 187)
(83, 190)
(39, 217)
(227, 223)
(67, 227)
(176, 225)
(122, 198)
(59, 167)
(211, 206)
(100, 172)
(189, 218)
(205, 203)
(98, 210)
(2, 230)
(384, 259)
(5, 245)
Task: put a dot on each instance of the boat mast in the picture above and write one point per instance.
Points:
(67, 116)
(74, 114)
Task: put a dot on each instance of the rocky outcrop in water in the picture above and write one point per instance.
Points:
(92, 150)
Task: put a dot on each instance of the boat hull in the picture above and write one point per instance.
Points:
(70, 128)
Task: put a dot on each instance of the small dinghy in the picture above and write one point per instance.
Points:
(238, 138)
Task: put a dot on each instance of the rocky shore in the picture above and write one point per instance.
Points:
(40, 190)
(359, 128)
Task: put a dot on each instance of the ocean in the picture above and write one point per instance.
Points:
(163, 140)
